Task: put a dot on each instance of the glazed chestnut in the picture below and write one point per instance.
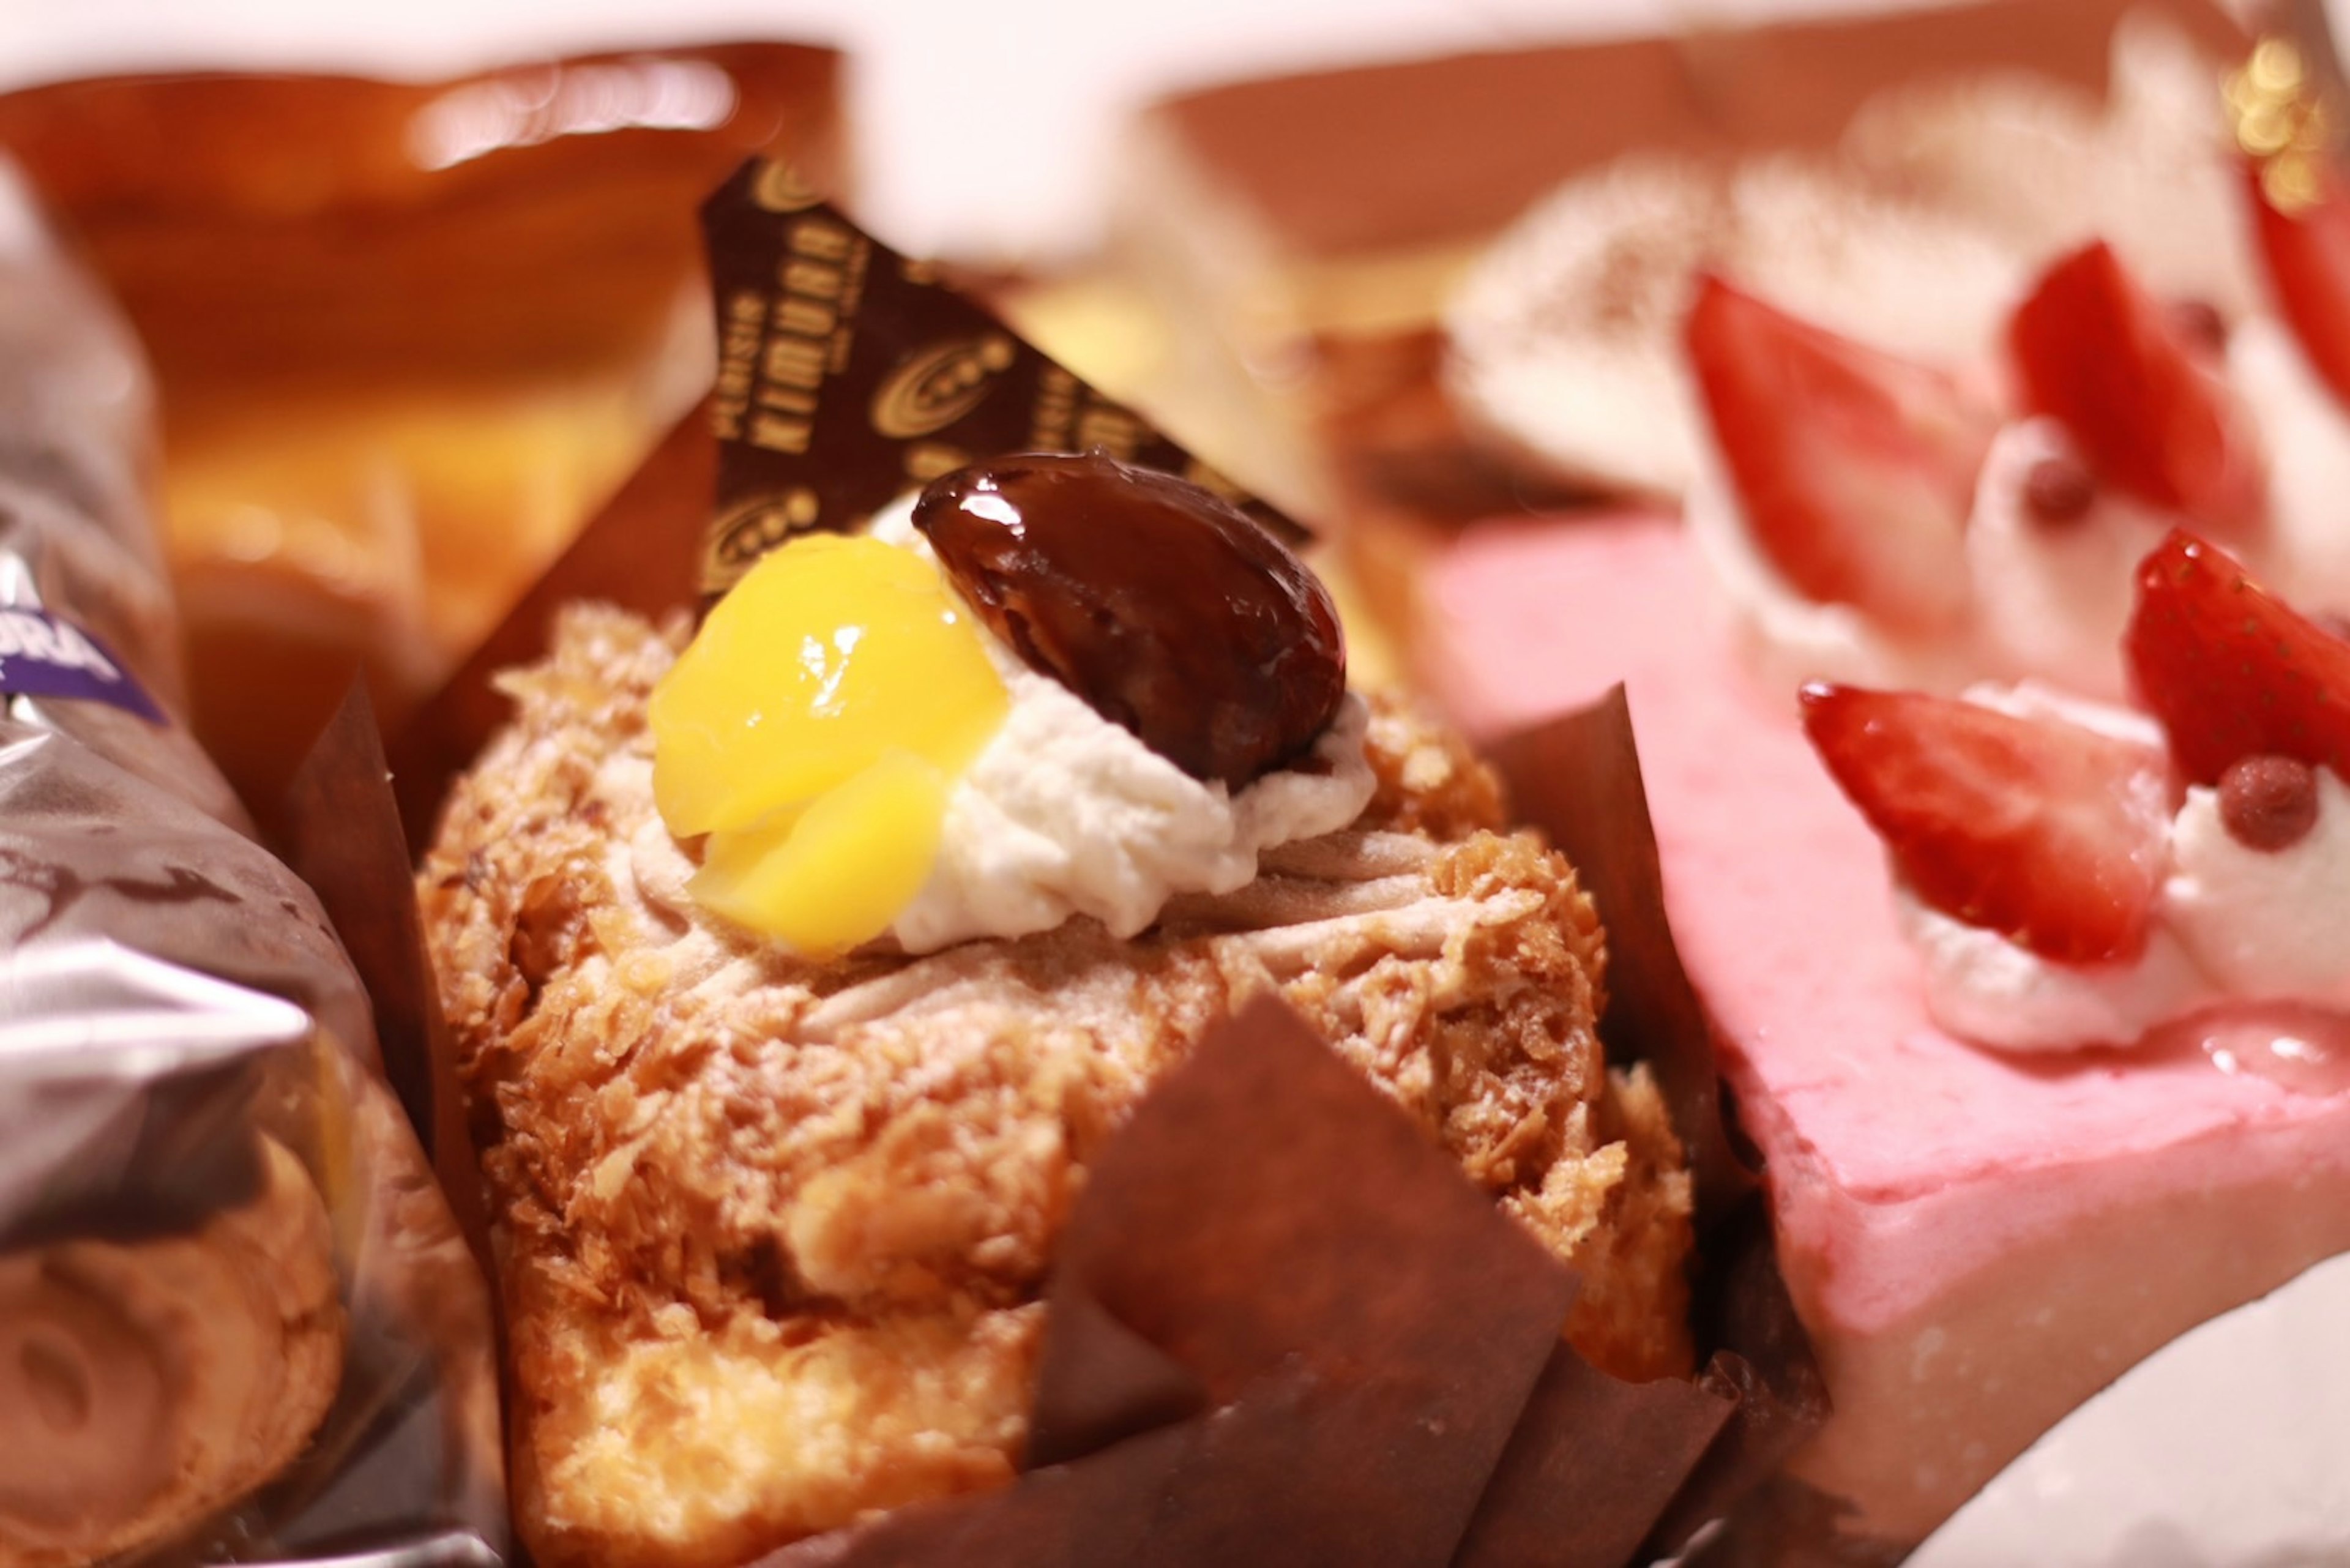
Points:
(1158, 602)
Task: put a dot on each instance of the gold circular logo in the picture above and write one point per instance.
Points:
(931, 389)
(751, 530)
(927, 460)
(779, 188)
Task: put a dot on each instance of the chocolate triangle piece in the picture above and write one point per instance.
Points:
(1266, 1215)
(1766, 1365)
(344, 839)
(1303, 1468)
(1277, 1192)
(1578, 778)
(849, 373)
(1368, 1323)
(1100, 1381)
(1071, 1516)
(1277, 1479)
(1592, 1466)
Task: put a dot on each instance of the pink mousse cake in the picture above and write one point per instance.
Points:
(1977, 1241)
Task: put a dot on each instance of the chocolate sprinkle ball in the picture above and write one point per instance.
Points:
(2269, 803)
(2201, 323)
(1154, 599)
(2059, 489)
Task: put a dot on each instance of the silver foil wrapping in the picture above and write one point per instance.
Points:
(237, 1322)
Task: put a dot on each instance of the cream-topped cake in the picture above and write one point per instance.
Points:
(799, 973)
(2050, 1064)
(1977, 1238)
(1947, 195)
(1871, 516)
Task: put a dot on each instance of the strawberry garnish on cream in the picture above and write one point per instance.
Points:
(2073, 873)
(2232, 670)
(2046, 832)
(1855, 468)
(2139, 391)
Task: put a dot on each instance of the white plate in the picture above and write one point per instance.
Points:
(2228, 1449)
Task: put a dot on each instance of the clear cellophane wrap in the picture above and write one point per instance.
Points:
(236, 1320)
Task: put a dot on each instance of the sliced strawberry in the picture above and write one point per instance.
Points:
(2232, 670)
(2138, 394)
(2308, 255)
(1855, 469)
(2047, 833)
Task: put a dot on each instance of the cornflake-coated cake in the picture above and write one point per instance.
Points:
(772, 1231)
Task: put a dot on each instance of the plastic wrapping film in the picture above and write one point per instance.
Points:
(236, 1320)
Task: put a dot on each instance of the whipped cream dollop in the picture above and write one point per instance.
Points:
(1566, 340)
(1982, 987)
(2232, 924)
(1064, 812)
(2048, 597)
(2047, 600)
(2273, 924)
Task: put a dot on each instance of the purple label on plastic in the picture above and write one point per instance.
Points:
(41, 656)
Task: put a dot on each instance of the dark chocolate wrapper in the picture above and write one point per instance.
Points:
(1369, 1370)
(848, 374)
(236, 1320)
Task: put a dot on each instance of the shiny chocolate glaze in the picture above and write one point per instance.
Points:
(1156, 601)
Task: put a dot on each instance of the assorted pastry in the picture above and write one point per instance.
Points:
(1989, 619)
(800, 971)
(803, 957)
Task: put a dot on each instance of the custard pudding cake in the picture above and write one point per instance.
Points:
(799, 971)
(2075, 1076)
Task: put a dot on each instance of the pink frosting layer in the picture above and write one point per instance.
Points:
(1901, 1160)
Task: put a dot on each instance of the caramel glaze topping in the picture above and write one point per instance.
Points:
(1156, 601)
